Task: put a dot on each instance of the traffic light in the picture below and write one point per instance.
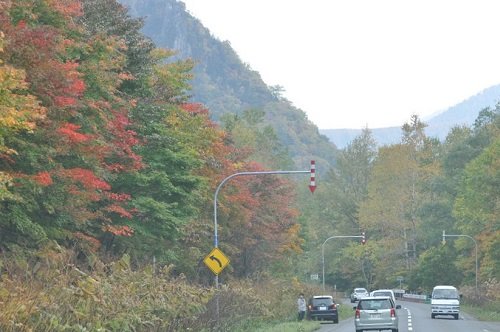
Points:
(363, 238)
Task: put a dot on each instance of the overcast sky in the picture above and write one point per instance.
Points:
(358, 63)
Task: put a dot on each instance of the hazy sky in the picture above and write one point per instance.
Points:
(358, 63)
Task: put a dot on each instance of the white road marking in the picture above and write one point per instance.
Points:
(410, 325)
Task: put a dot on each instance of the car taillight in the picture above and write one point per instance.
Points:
(333, 306)
(358, 315)
(393, 312)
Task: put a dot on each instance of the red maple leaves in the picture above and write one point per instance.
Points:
(70, 131)
(86, 178)
(43, 179)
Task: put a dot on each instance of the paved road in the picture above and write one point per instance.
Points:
(416, 317)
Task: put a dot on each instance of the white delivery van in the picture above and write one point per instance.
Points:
(445, 301)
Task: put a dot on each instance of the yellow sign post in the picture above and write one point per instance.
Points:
(216, 261)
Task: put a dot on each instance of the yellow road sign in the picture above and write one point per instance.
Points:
(216, 261)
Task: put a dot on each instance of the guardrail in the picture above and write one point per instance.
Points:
(399, 296)
(414, 298)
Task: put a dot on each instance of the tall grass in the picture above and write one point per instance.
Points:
(483, 304)
(49, 291)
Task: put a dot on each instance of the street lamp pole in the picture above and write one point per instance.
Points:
(475, 244)
(323, 250)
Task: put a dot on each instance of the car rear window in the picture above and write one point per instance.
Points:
(322, 301)
(375, 304)
(382, 294)
(360, 290)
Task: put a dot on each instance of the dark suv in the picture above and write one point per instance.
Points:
(322, 307)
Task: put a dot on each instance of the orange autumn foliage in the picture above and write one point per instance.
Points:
(119, 230)
(119, 210)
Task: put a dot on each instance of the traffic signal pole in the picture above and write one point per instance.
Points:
(216, 240)
(475, 244)
(363, 240)
(312, 187)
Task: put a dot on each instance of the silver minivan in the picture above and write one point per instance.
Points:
(376, 313)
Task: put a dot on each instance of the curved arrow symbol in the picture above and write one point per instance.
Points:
(216, 259)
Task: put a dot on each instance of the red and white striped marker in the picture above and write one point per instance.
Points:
(312, 186)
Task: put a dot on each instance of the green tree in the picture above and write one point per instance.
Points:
(19, 111)
(435, 266)
(348, 180)
(384, 215)
(422, 152)
(165, 193)
(250, 133)
(476, 209)
(337, 203)
(110, 18)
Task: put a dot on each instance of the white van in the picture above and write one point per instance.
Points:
(384, 292)
(445, 301)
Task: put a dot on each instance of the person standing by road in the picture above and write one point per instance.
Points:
(301, 306)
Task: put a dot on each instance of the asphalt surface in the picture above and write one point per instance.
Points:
(416, 317)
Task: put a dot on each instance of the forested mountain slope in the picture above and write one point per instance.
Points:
(226, 85)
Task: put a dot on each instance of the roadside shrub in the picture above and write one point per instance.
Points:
(48, 291)
(55, 295)
(268, 300)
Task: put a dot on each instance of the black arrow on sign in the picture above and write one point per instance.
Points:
(216, 259)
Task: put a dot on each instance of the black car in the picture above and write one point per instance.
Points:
(322, 307)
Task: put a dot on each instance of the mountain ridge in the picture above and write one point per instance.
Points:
(438, 125)
(226, 85)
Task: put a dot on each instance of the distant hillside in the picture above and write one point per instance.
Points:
(224, 83)
(464, 113)
(342, 137)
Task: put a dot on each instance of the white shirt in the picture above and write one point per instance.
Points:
(301, 303)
